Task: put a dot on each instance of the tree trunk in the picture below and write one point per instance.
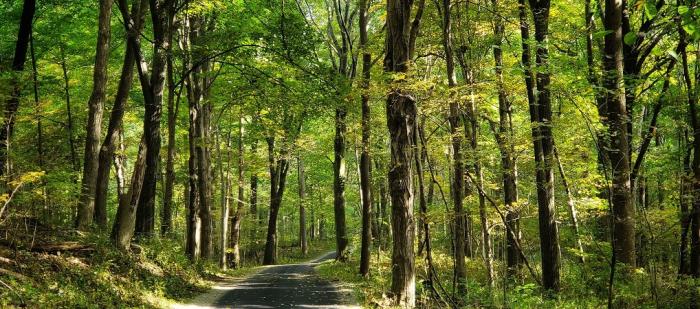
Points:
(339, 178)
(153, 102)
(107, 149)
(618, 151)
(94, 123)
(504, 139)
(401, 121)
(365, 160)
(238, 215)
(225, 179)
(125, 220)
(570, 203)
(278, 176)
(541, 116)
(71, 138)
(302, 209)
(168, 189)
(254, 193)
(12, 103)
(457, 160)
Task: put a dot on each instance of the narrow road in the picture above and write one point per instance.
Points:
(279, 286)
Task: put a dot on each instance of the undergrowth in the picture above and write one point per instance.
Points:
(102, 277)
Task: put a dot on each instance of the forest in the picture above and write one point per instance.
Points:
(434, 154)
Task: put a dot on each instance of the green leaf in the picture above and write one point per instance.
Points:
(690, 28)
(650, 9)
(683, 10)
(630, 38)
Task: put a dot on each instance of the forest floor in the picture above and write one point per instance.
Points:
(278, 286)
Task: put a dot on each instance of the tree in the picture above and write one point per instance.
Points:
(12, 104)
(365, 159)
(541, 117)
(401, 121)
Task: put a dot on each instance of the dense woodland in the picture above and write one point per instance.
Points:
(454, 153)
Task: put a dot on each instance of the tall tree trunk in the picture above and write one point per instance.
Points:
(94, 124)
(457, 160)
(278, 175)
(694, 215)
(168, 190)
(254, 192)
(339, 178)
(240, 211)
(401, 121)
(504, 139)
(541, 116)
(69, 121)
(302, 207)
(12, 104)
(365, 160)
(153, 102)
(194, 223)
(225, 200)
(107, 149)
(618, 151)
(125, 220)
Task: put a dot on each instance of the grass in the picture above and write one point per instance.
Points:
(103, 278)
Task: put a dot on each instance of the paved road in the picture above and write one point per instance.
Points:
(280, 286)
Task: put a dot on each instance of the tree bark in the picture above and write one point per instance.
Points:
(278, 176)
(153, 102)
(618, 151)
(12, 103)
(365, 160)
(339, 178)
(94, 123)
(541, 116)
(240, 211)
(504, 139)
(225, 179)
(401, 122)
(302, 207)
(173, 106)
(125, 221)
(107, 149)
(457, 160)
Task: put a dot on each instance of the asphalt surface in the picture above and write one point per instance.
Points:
(279, 286)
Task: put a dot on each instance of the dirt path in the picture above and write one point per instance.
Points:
(279, 286)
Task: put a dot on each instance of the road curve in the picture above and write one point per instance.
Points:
(278, 286)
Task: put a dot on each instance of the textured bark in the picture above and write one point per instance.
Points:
(12, 103)
(153, 102)
(173, 106)
(694, 214)
(339, 178)
(541, 116)
(457, 159)
(94, 123)
(254, 193)
(194, 223)
(125, 220)
(401, 121)
(106, 154)
(240, 211)
(365, 160)
(504, 139)
(225, 179)
(278, 176)
(302, 207)
(618, 151)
